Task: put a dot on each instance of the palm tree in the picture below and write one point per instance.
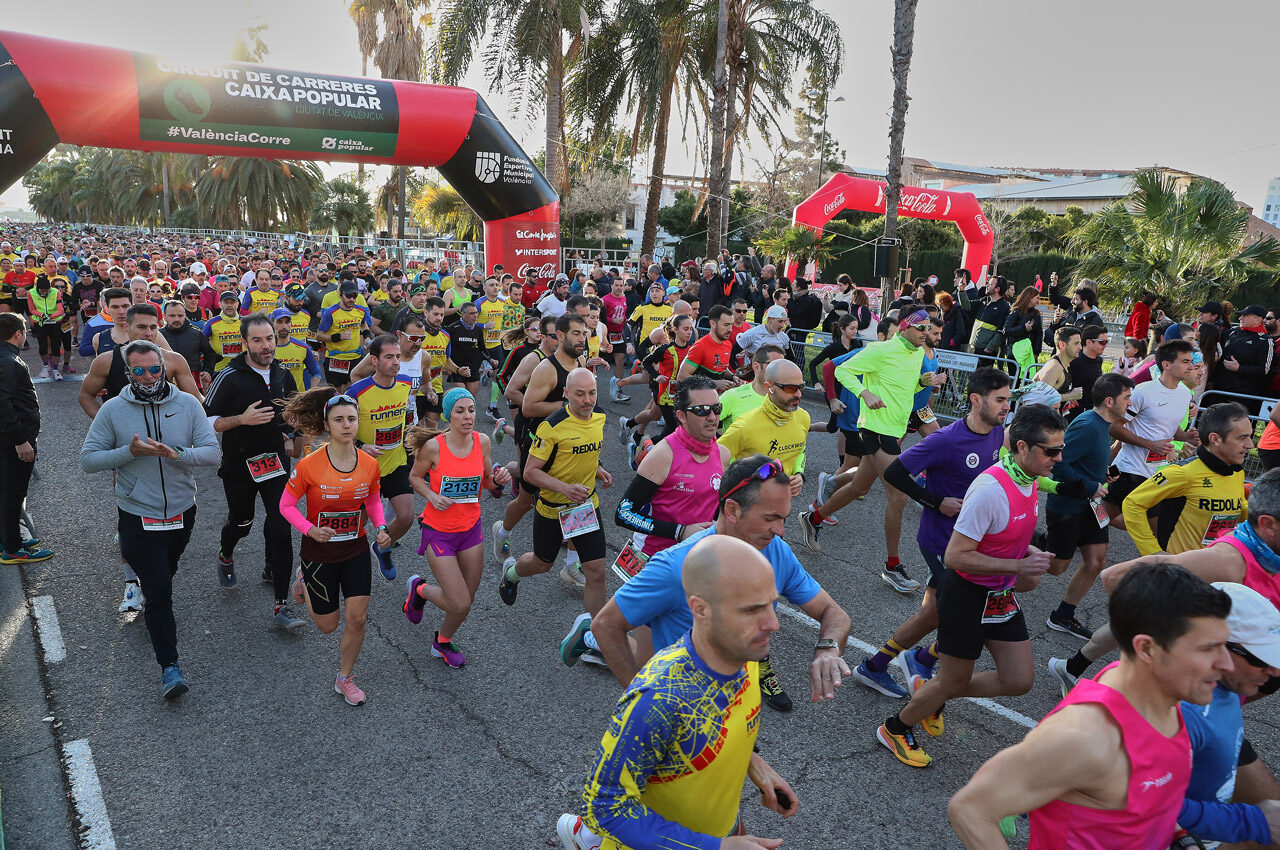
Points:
(282, 192)
(343, 208)
(802, 244)
(51, 184)
(1186, 245)
(521, 43)
(904, 27)
(366, 21)
(440, 207)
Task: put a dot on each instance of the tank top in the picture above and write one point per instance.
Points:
(1013, 541)
(459, 478)
(930, 364)
(556, 393)
(1256, 576)
(1159, 771)
(1066, 375)
(413, 368)
(689, 495)
(117, 376)
(1270, 437)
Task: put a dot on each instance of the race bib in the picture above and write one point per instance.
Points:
(464, 490)
(413, 387)
(173, 523)
(230, 349)
(629, 562)
(577, 520)
(1156, 457)
(1100, 513)
(1218, 526)
(1001, 606)
(264, 466)
(346, 525)
(388, 438)
(926, 415)
(340, 367)
(615, 339)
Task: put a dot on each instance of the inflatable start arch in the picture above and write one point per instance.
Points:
(845, 192)
(55, 91)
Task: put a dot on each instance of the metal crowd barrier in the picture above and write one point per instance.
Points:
(1260, 408)
(951, 401)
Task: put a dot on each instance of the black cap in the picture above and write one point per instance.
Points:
(190, 289)
(1212, 307)
(228, 296)
(348, 287)
(1254, 310)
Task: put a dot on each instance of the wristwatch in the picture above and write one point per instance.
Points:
(827, 643)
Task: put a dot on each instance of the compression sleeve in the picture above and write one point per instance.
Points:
(289, 510)
(1225, 822)
(630, 515)
(373, 507)
(829, 379)
(898, 476)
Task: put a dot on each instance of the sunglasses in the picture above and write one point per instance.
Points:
(340, 398)
(740, 312)
(705, 409)
(790, 388)
(139, 371)
(922, 327)
(1049, 451)
(1237, 649)
(764, 473)
(414, 337)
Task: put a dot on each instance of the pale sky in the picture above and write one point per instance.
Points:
(1036, 83)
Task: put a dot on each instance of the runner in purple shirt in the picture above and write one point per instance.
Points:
(949, 460)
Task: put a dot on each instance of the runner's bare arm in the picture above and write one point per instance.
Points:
(1219, 562)
(534, 404)
(180, 372)
(520, 378)
(610, 629)
(363, 369)
(94, 382)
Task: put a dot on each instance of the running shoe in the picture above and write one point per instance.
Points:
(594, 657)
(413, 603)
(497, 490)
(44, 373)
(499, 432)
(1058, 667)
(574, 834)
(810, 530)
(639, 452)
(830, 521)
(932, 724)
(133, 598)
(296, 590)
(68, 369)
(266, 574)
(28, 554)
(501, 541)
(508, 589)
(57, 376)
(771, 689)
(494, 413)
(571, 574)
(346, 685)
(1069, 626)
(911, 666)
(575, 643)
(286, 619)
(825, 483)
(903, 747)
(624, 433)
(897, 578)
(226, 571)
(881, 681)
(172, 683)
(447, 652)
(385, 564)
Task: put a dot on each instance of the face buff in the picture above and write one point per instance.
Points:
(1010, 465)
(156, 392)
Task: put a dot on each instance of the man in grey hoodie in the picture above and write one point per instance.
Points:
(153, 435)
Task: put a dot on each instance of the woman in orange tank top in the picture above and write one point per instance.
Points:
(451, 470)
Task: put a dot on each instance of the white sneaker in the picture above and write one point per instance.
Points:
(574, 834)
(44, 373)
(824, 487)
(133, 598)
(57, 376)
(571, 574)
(1058, 667)
(501, 541)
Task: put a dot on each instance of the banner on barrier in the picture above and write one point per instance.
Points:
(956, 360)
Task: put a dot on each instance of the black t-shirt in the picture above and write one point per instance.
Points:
(84, 296)
(466, 347)
(1084, 371)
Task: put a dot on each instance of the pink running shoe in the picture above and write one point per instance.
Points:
(413, 602)
(447, 652)
(68, 369)
(346, 685)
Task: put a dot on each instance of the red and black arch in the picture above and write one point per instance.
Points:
(55, 91)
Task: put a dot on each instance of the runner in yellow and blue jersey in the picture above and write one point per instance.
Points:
(293, 353)
(341, 326)
(223, 331)
(261, 298)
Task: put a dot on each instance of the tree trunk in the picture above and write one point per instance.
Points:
(904, 25)
(364, 72)
(400, 179)
(716, 192)
(164, 180)
(657, 168)
(556, 173)
(730, 137)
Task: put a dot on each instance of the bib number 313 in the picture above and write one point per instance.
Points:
(264, 467)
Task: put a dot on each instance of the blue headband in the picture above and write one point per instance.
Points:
(451, 398)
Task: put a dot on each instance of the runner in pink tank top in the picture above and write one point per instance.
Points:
(1109, 766)
(990, 549)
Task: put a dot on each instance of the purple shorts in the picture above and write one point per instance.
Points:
(447, 544)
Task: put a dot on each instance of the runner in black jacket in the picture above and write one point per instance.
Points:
(19, 427)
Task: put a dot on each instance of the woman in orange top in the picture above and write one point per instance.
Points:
(451, 469)
(1269, 445)
(341, 487)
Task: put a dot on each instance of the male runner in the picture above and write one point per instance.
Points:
(989, 554)
(950, 459)
(292, 352)
(466, 347)
(107, 374)
(244, 405)
(779, 427)
(261, 298)
(223, 331)
(653, 785)
(1056, 373)
(615, 320)
(155, 487)
(340, 328)
(709, 356)
(1110, 765)
(189, 341)
(745, 398)
(383, 399)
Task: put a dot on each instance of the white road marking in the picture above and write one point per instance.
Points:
(50, 633)
(988, 704)
(86, 793)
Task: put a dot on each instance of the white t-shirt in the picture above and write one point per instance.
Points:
(552, 306)
(986, 508)
(1157, 415)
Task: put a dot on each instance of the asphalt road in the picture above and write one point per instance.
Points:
(262, 752)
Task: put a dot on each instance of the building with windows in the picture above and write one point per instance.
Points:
(1270, 212)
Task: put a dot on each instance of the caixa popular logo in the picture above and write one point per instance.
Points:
(488, 166)
(541, 235)
(546, 271)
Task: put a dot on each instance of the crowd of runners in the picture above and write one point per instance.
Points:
(336, 387)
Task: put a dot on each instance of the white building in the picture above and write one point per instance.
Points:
(1271, 206)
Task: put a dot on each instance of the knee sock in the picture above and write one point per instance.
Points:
(880, 661)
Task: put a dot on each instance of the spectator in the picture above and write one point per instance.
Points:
(1140, 319)
(804, 308)
(867, 319)
(19, 427)
(717, 286)
(1083, 312)
(1209, 341)
(1211, 312)
(989, 326)
(1023, 324)
(955, 332)
(1135, 350)
(1228, 310)
(1248, 358)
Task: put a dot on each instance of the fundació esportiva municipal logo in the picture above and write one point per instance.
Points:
(488, 166)
(186, 100)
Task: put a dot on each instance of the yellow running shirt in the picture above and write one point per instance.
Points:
(257, 301)
(571, 448)
(491, 315)
(770, 431)
(650, 316)
(293, 356)
(337, 319)
(437, 347)
(224, 336)
(383, 418)
(1196, 502)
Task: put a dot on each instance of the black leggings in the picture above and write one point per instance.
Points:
(240, 490)
(154, 555)
(669, 421)
(50, 339)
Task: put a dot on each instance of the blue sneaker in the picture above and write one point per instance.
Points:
(172, 683)
(880, 682)
(384, 562)
(911, 666)
(574, 644)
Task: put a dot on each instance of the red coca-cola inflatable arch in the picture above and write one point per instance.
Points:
(845, 192)
(55, 91)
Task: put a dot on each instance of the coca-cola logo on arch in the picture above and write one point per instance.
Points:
(836, 203)
(545, 271)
